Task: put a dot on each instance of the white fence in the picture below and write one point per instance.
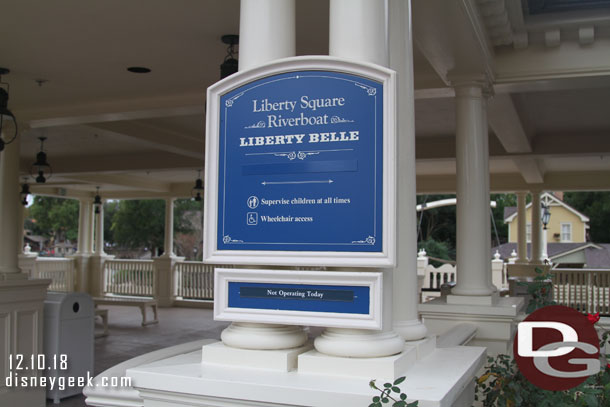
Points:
(194, 280)
(584, 290)
(129, 277)
(59, 270)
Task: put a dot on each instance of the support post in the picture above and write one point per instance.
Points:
(165, 264)
(521, 229)
(407, 284)
(358, 31)
(536, 257)
(9, 213)
(266, 32)
(85, 249)
(473, 242)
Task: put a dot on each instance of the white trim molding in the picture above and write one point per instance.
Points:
(386, 257)
(372, 280)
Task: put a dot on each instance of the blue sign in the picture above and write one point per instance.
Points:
(300, 164)
(300, 297)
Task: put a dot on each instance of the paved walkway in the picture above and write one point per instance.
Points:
(128, 338)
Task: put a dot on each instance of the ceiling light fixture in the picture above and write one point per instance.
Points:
(198, 189)
(8, 127)
(230, 64)
(138, 69)
(97, 201)
(41, 167)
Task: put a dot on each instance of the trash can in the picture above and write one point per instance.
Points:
(68, 343)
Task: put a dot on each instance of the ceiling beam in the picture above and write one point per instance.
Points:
(118, 163)
(539, 63)
(531, 170)
(543, 145)
(128, 181)
(156, 137)
(452, 37)
(506, 124)
(186, 104)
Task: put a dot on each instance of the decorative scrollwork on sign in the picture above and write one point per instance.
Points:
(260, 125)
(369, 240)
(304, 154)
(227, 239)
(371, 91)
(337, 119)
(229, 102)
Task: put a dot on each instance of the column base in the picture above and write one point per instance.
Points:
(358, 343)
(473, 299)
(13, 276)
(281, 360)
(385, 368)
(495, 324)
(410, 330)
(245, 335)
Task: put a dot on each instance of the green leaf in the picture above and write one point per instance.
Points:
(396, 389)
(385, 400)
(403, 396)
(376, 399)
(387, 385)
(399, 403)
(399, 380)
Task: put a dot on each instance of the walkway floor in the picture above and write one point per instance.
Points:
(128, 338)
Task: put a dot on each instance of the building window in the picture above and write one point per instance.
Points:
(528, 232)
(566, 232)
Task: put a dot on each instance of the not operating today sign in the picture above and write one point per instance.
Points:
(301, 164)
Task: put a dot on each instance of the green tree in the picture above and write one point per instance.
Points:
(596, 205)
(141, 223)
(55, 218)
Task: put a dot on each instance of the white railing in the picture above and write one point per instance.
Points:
(129, 277)
(59, 270)
(194, 280)
(435, 277)
(584, 290)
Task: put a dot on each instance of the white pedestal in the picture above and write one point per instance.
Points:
(282, 360)
(21, 308)
(386, 368)
(488, 300)
(495, 324)
(443, 378)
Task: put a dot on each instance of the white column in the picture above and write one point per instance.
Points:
(99, 231)
(266, 33)
(9, 212)
(81, 227)
(536, 257)
(20, 231)
(358, 31)
(91, 229)
(487, 93)
(521, 228)
(168, 248)
(406, 292)
(473, 244)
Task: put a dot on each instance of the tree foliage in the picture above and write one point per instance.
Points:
(55, 218)
(141, 223)
(596, 205)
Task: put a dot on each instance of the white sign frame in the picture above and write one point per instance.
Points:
(373, 280)
(385, 258)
